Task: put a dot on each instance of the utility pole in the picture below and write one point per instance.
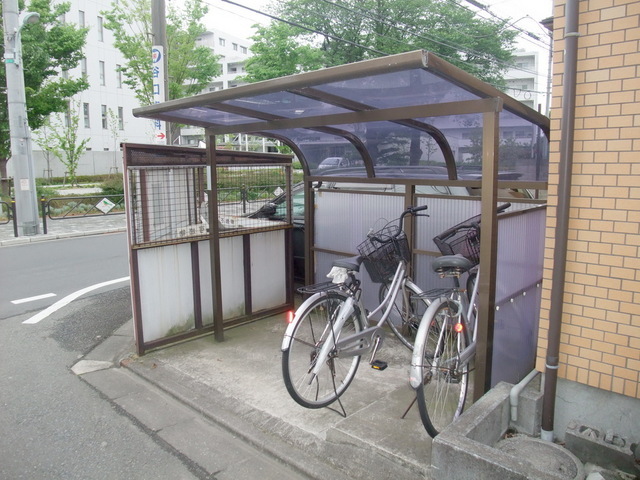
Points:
(24, 183)
(159, 58)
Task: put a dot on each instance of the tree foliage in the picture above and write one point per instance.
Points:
(49, 47)
(277, 53)
(61, 139)
(343, 31)
(190, 67)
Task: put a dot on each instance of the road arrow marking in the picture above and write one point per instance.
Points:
(68, 299)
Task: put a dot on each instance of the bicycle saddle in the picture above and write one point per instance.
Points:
(451, 262)
(350, 263)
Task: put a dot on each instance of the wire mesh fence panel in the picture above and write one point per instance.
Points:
(170, 204)
(253, 197)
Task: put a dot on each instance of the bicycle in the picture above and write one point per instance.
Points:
(331, 330)
(445, 342)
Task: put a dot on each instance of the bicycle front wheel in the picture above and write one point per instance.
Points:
(313, 330)
(407, 311)
(442, 395)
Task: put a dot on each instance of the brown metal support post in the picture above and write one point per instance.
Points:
(488, 252)
(214, 242)
(309, 222)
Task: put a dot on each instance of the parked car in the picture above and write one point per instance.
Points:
(333, 162)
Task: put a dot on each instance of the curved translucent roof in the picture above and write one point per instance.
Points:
(378, 117)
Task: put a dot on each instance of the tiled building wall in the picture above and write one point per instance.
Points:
(600, 340)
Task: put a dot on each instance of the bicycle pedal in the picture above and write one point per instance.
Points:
(378, 365)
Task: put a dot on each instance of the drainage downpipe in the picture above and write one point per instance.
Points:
(562, 225)
(514, 393)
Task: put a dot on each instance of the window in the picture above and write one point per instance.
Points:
(102, 73)
(235, 47)
(243, 50)
(100, 30)
(119, 76)
(105, 122)
(83, 66)
(85, 112)
(81, 21)
(120, 118)
(222, 42)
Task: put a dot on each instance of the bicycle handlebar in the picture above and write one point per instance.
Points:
(409, 211)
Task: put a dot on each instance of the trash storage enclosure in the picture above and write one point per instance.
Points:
(185, 282)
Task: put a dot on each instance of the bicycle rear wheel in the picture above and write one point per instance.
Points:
(309, 335)
(407, 311)
(442, 395)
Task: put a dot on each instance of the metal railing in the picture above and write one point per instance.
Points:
(249, 196)
(59, 208)
(8, 214)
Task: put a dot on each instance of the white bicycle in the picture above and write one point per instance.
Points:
(445, 342)
(331, 330)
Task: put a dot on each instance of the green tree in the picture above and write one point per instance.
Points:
(62, 139)
(277, 53)
(353, 30)
(190, 67)
(49, 48)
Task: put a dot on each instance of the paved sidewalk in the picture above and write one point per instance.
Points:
(185, 394)
(66, 228)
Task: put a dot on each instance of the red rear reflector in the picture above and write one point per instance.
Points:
(290, 316)
(458, 327)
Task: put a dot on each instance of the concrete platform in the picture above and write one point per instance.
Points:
(238, 384)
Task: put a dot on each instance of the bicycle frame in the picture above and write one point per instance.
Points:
(357, 344)
(469, 321)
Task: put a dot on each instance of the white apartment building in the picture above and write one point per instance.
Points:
(234, 52)
(105, 108)
(527, 80)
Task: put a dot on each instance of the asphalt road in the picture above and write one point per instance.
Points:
(54, 425)
(58, 267)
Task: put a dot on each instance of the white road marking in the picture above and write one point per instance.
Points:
(32, 299)
(70, 298)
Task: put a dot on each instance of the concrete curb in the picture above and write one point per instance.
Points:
(56, 236)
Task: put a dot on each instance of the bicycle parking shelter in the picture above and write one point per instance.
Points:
(411, 120)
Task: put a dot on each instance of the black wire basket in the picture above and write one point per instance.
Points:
(462, 239)
(381, 258)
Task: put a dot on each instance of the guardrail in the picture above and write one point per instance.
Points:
(60, 208)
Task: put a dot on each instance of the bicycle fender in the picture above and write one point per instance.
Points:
(286, 340)
(415, 371)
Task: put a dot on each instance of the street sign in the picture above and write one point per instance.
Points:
(105, 205)
(158, 74)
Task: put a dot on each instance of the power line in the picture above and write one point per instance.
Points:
(378, 52)
(528, 34)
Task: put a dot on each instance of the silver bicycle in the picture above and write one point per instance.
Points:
(445, 342)
(331, 330)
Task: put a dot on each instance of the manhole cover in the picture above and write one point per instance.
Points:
(544, 456)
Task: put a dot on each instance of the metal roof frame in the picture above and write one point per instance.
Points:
(269, 109)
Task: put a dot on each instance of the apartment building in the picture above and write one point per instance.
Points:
(105, 108)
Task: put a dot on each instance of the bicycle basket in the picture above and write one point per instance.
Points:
(462, 239)
(381, 259)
